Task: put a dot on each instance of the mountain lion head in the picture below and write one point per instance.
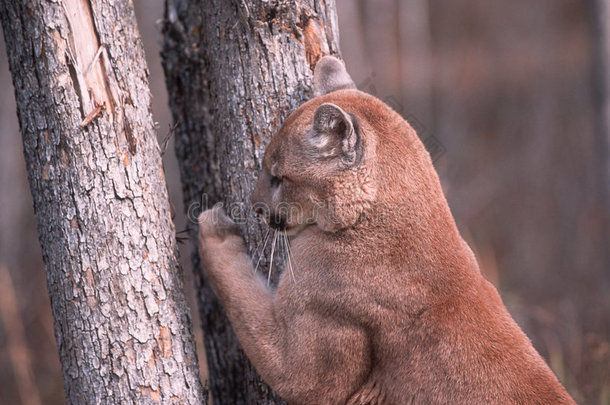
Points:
(328, 163)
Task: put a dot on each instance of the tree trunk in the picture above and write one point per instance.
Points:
(121, 320)
(601, 75)
(234, 71)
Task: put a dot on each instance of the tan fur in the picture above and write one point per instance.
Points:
(389, 306)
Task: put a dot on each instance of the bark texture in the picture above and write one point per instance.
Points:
(94, 165)
(234, 71)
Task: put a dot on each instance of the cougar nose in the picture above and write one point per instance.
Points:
(277, 222)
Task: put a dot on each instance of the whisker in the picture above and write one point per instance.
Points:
(289, 253)
(260, 255)
(283, 245)
(289, 248)
(271, 261)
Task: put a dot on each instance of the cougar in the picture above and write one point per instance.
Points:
(386, 303)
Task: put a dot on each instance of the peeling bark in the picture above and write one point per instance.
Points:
(234, 71)
(121, 320)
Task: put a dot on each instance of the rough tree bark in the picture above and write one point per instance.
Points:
(94, 165)
(234, 71)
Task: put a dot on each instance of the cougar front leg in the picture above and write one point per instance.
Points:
(247, 300)
(228, 267)
(303, 356)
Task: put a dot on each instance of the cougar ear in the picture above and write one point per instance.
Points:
(335, 133)
(330, 75)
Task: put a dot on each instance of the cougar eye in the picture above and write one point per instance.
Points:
(276, 181)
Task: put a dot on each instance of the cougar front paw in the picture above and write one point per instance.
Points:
(215, 224)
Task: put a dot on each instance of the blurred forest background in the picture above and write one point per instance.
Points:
(509, 93)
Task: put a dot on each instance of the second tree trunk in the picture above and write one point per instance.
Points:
(235, 70)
